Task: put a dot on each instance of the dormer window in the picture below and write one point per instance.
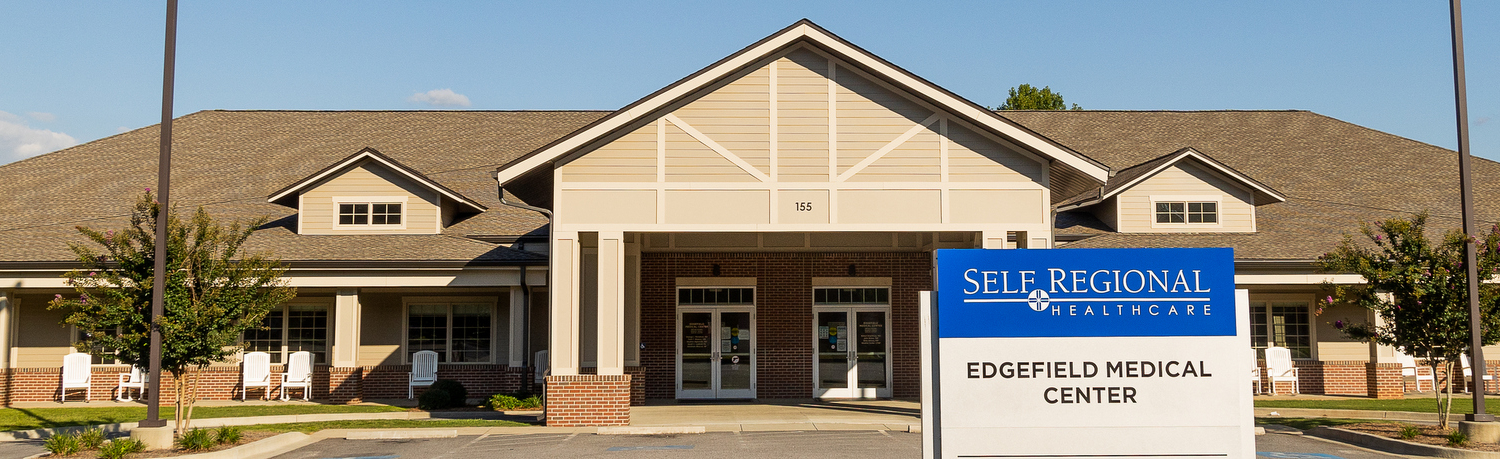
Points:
(1187, 212)
(375, 213)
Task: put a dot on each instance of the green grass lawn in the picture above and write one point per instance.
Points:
(37, 418)
(1426, 404)
(309, 427)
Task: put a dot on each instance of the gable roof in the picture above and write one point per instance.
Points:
(1134, 175)
(804, 31)
(284, 195)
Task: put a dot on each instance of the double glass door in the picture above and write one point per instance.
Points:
(852, 352)
(715, 352)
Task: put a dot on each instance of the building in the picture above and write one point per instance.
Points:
(757, 230)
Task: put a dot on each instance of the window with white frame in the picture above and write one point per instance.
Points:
(1187, 212)
(1281, 323)
(291, 328)
(369, 213)
(458, 331)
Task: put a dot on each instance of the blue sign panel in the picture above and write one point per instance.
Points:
(984, 293)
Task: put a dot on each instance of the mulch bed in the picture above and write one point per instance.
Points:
(1431, 435)
(246, 437)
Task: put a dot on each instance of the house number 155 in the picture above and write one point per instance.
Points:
(804, 206)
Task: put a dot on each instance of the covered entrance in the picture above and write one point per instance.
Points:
(715, 343)
(851, 357)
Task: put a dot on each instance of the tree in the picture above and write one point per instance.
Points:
(1028, 97)
(213, 294)
(1419, 290)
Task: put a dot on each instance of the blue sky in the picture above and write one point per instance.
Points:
(75, 72)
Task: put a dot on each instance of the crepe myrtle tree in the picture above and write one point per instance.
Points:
(1418, 287)
(214, 293)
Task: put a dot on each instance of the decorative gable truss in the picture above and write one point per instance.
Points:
(800, 129)
(371, 193)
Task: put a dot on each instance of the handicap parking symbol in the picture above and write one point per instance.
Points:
(1275, 455)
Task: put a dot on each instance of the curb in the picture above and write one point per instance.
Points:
(1390, 445)
(627, 430)
(263, 448)
(1351, 414)
(34, 434)
(400, 434)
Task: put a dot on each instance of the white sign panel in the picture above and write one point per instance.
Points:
(1089, 353)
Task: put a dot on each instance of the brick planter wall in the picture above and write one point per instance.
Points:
(783, 313)
(481, 381)
(588, 400)
(637, 382)
(1383, 380)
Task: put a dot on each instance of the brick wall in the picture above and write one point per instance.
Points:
(1383, 380)
(338, 385)
(588, 400)
(784, 318)
(637, 382)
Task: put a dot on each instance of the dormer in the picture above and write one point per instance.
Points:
(1183, 192)
(371, 193)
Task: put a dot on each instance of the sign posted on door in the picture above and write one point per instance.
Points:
(1088, 353)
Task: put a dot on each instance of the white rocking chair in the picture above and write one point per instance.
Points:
(135, 379)
(298, 375)
(256, 372)
(1469, 374)
(423, 372)
(1255, 370)
(1409, 369)
(77, 373)
(1279, 366)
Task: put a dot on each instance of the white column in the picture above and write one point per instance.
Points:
(563, 347)
(1378, 353)
(611, 303)
(992, 239)
(517, 323)
(346, 328)
(6, 314)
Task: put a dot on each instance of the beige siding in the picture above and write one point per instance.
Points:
(689, 160)
(43, 340)
(974, 158)
(320, 213)
(382, 329)
(869, 118)
(737, 116)
(630, 158)
(1187, 178)
(1108, 212)
(802, 115)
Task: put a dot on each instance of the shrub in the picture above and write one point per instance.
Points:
(434, 399)
(91, 438)
(455, 390)
(1409, 432)
(120, 447)
(1457, 438)
(195, 440)
(227, 435)
(517, 401)
(63, 444)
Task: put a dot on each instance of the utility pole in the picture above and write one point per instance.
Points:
(1471, 259)
(163, 180)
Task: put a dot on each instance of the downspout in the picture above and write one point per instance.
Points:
(526, 290)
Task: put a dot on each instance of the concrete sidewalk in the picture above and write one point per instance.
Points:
(783, 415)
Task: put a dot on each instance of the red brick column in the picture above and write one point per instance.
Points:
(345, 384)
(588, 400)
(1383, 380)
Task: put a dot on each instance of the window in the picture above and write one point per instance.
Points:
(1281, 323)
(1187, 212)
(99, 355)
(714, 296)
(289, 329)
(379, 213)
(459, 332)
(862, 295)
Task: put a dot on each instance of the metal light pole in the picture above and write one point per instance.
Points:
(163, 179)
(1471, 259)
